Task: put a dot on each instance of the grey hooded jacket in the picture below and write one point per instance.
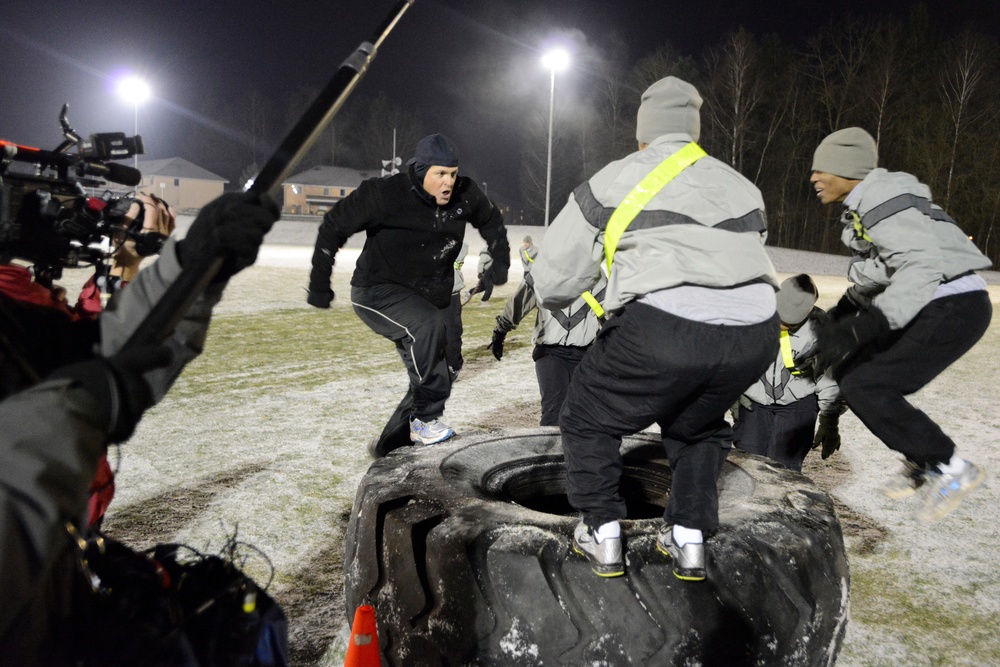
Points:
(904, 245)
(706, 227)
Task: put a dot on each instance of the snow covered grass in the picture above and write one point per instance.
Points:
(266, 432)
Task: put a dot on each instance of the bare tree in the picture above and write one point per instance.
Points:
(734, 91)
(960, 84)
(836, 57)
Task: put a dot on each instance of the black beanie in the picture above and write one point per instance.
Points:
(436, 149)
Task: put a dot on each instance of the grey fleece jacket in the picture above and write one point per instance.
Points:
(904, 245)
(706, 227)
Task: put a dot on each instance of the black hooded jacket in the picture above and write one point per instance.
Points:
(411, 241)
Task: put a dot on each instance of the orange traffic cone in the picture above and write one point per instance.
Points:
(362, 650)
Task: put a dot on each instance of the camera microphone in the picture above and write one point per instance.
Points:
(116, 173)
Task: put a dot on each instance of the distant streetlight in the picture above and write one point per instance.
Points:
(136, 91)
(556, 59)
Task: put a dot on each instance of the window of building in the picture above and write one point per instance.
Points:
(177, 182)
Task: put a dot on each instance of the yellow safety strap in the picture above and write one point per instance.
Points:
(641, 195)
(528, 258)
(859, 230)
(594, 304)
(786, 352)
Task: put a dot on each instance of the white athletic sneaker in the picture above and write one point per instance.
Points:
(429, 433)
(943, 492)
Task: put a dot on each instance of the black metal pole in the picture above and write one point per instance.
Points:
(168, 311)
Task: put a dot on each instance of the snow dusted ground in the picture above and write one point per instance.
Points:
(296, 458)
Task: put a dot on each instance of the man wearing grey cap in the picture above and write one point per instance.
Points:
(776, 416)
(915, 306)
(691, 294)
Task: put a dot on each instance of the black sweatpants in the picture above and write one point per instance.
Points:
(417, 327)
(782, 433)
(554, 366)
(647, 367)
(877, 383)
(453, 333)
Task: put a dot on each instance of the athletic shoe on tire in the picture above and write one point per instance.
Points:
(689, 560)
(605, 556)
(429, 433)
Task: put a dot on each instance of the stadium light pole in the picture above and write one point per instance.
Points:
(135, 90)
(556, 59)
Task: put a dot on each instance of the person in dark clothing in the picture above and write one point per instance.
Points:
(415, 225)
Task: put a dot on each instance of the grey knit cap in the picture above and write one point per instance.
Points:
(796, 297)
(849, 153)
(669, 105)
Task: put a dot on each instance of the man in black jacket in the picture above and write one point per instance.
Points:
(415, 224)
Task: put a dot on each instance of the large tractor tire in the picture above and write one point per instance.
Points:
(465, 551)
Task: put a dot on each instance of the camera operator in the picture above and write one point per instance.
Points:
(54, 433)
(41, 332)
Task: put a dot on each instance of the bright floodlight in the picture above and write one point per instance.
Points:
(556, 60)
(133, 89)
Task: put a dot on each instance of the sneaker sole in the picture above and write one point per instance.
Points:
(606, 571)
(899, 494)
(940, 511)
(680, 573)
(420, 441)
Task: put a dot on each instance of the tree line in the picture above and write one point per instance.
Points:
(931, 100)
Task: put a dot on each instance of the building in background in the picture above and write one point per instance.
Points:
(312, 192)
(182, 184)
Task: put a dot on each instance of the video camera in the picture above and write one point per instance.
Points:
(46, 215)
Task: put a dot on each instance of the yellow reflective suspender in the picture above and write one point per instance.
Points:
(786, 352)
(641, 195)
(594, 304)
(859, 230)
(636, 200)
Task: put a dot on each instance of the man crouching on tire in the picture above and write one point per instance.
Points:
(415, 224)
(692, 290)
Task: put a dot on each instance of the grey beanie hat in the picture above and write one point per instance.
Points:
(849, 153)
(669, 105)
(527, 239)
(796, 298)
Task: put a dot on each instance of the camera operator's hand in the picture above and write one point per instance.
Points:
(156, 221)
(117, 385)
(231, 227)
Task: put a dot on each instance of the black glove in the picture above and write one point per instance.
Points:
(827, 434)
(230, 227)
(496, 345)
(319, 297)
(117, 385)
(497, 274)
(844, 308)
(838, 342)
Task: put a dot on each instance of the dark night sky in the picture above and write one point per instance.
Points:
(470, 66)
